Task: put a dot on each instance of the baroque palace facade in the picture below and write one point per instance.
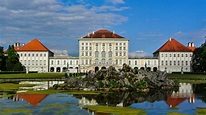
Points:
(102, 49)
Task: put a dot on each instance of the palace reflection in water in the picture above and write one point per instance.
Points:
(186, 99)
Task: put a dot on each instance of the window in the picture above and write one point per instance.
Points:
(170, 55)
(110, 53)
(170, 62)
(82, 43)
(178, 55)
(90, 54)
(116, 48)
(174, 62)
(110, 44)
(28, 54)
(185, 55)
(90, 48)
(165, 62)
(129, 62)
(41, 55)
(174, 55)
(124, 43)
(103, 61)
(110, 61)
(86, 43)
(96, 44)
(135, 62)
(116, 53)
(36, 54)
(24, 54)
(124, 53)
(86, 53)
(148, 62)
(52, 62)
(82, 53)
(86, 62)
(70, 62)
(96, 54)
(82, 48)
(186, 63)
(116, 61)
(76, 62)
(162, 62)
(182, 62)
(33, 55)
(162, 55)
(21, 55)
(178, 62)
(58, 62)
(182, 55)
(96, 61)
(103, 44)
(124, 48)
(64, 62)
(120, 54)
(165, 55)
(120, 48)
(86, 48)
(103, 54)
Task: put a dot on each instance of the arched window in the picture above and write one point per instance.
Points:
(110, 53)
(103, 54)
(96, 61)
(96, 54)
(110, 61)
(103, 61)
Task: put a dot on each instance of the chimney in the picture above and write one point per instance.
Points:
(192, 44)
(113, 32)
(170, 39)
(189, 44)
(93, 32)
(88, 34)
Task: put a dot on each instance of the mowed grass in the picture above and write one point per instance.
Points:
(116, 110)
(187, 76)
(13, 87)
(32, 76)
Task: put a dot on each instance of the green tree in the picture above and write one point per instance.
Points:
(199, 59)
(12, 60)
(2, 59)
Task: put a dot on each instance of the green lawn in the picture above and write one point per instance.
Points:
(187, 76)
(12, 86)
(32, 76)
(116, 110)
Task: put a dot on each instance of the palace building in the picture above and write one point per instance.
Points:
(102, 49)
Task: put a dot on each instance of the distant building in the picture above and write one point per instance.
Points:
(174, 57)
(102, 49)
(34, 56)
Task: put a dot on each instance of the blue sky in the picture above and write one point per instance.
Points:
(59, 24)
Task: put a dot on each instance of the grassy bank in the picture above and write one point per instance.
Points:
(187, 76)
(116, 110)
(32, 76)
(13, 87)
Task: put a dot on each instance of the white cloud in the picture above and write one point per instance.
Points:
(117, 1)
(51, 20)
(179, 33)
(138, 54)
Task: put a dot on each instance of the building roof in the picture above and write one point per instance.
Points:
(103, 34)
(33, 45)
(33, 99)
(173, 45)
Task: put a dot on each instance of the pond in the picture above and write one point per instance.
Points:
(186, 99)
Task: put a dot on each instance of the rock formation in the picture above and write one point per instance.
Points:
(125, 78)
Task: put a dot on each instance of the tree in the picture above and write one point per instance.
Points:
(2, 59)
(199, 59)
(12, 60)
